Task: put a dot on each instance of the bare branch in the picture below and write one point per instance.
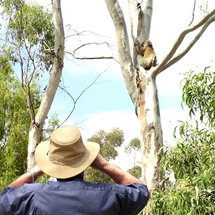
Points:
(91, 58)
(74, 103)
(76, 100)
(31, 104)
(81, 33)
(77, 123)
(32, 60)
(185, 51)
(194, 6)
(93, 43)
(7, 34)
(205, 21)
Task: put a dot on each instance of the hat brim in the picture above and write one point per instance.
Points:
(67, 171)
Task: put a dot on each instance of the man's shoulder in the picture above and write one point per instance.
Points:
(113, 187)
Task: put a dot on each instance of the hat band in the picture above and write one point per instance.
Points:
(68, 163)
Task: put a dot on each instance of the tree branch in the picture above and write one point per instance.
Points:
(204, 22)
(93, 43)
(125, 59)
(140, 22)
(92, 57)
(81, 33)
(76, 100)
(185, 51)
(193, 14)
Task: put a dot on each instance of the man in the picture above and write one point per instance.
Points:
(65, 157)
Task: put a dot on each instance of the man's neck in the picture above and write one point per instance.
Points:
(80, 177)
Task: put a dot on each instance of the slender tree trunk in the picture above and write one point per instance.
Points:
(36, 128)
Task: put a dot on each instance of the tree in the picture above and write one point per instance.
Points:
(14, 123)
(32, 35)
(134, 147)
(15, 120)
(35, 129)
(192, 161)
(141, 84)
(136, 171)
(108, 143)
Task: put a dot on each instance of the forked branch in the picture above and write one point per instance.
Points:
(168, 60)
(91, 57)
(76, 100)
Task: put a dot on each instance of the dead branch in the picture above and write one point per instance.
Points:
(81, 33)
(93, 43)
(76, 100)
(92, 57)
(194, 6)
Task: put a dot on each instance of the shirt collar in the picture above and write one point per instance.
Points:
(80, 177)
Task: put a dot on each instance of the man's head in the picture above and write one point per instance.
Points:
(65, 155)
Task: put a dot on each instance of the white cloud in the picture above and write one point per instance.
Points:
(126, 121)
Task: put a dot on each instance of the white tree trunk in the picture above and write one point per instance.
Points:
(140, 85)
(36, 128)
(147, 110)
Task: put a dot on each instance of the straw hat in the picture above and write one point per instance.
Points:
(65, 155)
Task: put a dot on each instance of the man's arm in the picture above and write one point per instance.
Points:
(118, 175)
(28, 177)
(135, 196)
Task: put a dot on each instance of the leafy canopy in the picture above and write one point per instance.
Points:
(108, 143)
(14, 124)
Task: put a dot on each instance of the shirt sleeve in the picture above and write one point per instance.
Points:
(15, 201)
(133, 198)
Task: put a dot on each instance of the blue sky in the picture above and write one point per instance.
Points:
(107, 104)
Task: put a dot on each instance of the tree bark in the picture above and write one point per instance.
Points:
(140, 85)
(36, 128)
(148, 113)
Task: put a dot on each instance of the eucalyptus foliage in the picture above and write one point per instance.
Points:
(191, 190)
(136, 171)
(14, 123)
(131, 149)
(198, 94)
(30, 32)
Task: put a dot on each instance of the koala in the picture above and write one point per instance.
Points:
(149, 58)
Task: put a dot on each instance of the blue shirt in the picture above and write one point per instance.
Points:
(74, 197)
